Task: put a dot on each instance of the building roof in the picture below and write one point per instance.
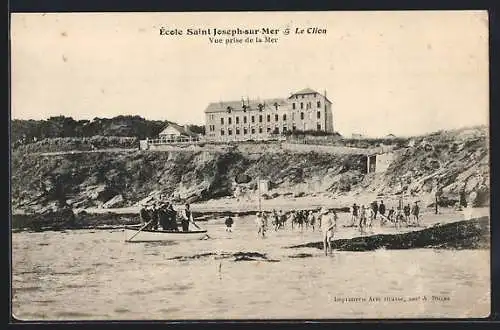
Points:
(222, 106)
(181, 129)
(268, 103)
(305, 91)
(308, 91)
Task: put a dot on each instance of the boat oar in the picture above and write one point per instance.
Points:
(145, 225)
(192, 221)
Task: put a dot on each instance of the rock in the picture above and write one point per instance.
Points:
(466, 234)
(116, 201)
(243, 178)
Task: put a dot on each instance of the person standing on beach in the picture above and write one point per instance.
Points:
(381, 211)
(328, 226)
(259, 221)
(281, 219)
(415, 212)
(362, 218)
(371, 216)
(354, 217)
(229, 223)
(375, 209)
(407, 211)
(311, 219)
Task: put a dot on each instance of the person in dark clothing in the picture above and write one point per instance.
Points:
(406, 211)
(381, 208)
(354, 217)
(145, 216)
(154, 218)
(375, 209)
(229, 224)
(172, 217)
(163, 217)
(390, 216)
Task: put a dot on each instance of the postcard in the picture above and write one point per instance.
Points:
(250, 165)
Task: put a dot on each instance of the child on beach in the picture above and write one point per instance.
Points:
(229, 224)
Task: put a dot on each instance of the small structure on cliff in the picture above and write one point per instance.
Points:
(379, 163)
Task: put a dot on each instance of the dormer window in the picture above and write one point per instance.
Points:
(261, 106)
(229, 109)
(276, 105)
(245, 107)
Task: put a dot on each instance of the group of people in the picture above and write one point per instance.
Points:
(363, 216)
(159, 213)
(278, 219)
(325, 219)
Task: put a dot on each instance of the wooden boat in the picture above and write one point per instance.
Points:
(163, 235)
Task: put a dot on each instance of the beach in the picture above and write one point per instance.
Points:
(94, 274)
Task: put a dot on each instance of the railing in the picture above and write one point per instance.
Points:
(176, 140)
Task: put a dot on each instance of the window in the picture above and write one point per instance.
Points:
(237, 131)
(276, 130)
(253, 130)
(293, 105)
(284, 129)
(260, 129)
(319, 114)
(222, 121)
(276, 117)
(268, 129)
(301, 105)
(302, 115)
(318, 127)
(319, 104)
(229, 132)
(260, 118)
(294, 127)
(237, 120)
(229, 120)
(245, 131)
(302, 96)
(284, 117)
(253, 119)
(244, 119)
(268, 118)
(221, 132)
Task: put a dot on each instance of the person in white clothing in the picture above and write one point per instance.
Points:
(328, 226)
(186, 217)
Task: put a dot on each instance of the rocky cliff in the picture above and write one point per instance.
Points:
(458, 160)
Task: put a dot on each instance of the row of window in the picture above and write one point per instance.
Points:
(260, 130)
(308, 105)
(297, 96)
(276, 118)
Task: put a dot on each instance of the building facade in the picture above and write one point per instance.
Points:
(305, 110)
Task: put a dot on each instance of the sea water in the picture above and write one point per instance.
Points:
(94, 274)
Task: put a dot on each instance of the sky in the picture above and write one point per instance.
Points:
(404, 73)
